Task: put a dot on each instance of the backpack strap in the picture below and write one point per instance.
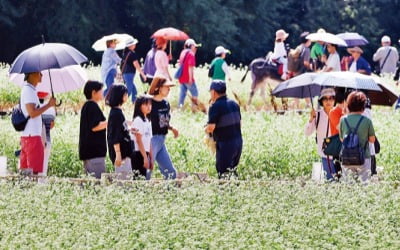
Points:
(358, 124)
(387, 55)
(356, 128)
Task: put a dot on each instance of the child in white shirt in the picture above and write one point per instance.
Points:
(142, 164)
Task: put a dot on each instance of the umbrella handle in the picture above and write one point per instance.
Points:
(59, 103)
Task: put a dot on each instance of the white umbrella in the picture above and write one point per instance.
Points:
(100, 45)
(63, 80)
(348, 79)
(326, 37)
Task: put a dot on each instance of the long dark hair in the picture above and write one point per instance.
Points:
(142, 100)
(115, 96)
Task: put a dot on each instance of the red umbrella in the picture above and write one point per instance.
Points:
(170, 34)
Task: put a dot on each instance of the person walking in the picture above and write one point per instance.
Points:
(149, 67)
(120, 147)
(219, 69)
(358, 63)
(187, 82)
(224, 123)
(32, 148)
(319, 122)
(161, 60)
(160, 120)
(92, 132)
(363, 127)
(387, 57)
(142, 159)
(130, 66)
(109, 63)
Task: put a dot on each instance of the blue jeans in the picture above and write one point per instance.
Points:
(329, 169)
(110, 80)
(161, 155)
(130, 85)
(184, 88)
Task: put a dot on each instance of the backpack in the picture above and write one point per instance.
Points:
(295, 59)
(352, 153)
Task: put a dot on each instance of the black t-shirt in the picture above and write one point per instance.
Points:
(160, 116)
(130, 57)
(118, 133)
(91, 144)
(225, 114)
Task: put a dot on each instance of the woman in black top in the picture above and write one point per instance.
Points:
(129, 67)
(92, 134)
(160, 117)
(118, 138)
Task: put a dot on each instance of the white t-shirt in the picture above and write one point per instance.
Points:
(144, 128)
(34, 125)
(333, 62)
(353, 67)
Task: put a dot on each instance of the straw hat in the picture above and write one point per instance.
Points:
(355, 49)
(158, 83)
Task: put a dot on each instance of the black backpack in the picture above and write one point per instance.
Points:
(352, 153)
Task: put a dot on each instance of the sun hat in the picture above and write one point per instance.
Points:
(327, 92)
(221, 50)
(281, 34)
(355, 49)
(190, 42)
(130, 42)
(385, 39)
(218, 85)
(156, 84)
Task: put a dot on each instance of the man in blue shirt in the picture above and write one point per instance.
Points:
(224, 123)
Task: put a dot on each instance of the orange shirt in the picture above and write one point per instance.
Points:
(334, 119)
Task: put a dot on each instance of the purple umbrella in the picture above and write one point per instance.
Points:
(47, 56)
(353, 39)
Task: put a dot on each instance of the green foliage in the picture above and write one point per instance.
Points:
(251, 215)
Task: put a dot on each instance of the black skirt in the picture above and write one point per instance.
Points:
(137, 164)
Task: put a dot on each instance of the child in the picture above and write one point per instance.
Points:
(142, 159)
(280, 53)
(92, 136)
(118, 138)
(48, 118)
(160, 117)
(219, 66)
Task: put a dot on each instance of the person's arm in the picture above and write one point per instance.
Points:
(210, 128)
(118, 158)
(101, 126)
(115, 57)
(371, 133)
(33, 111)
(142, 150)
(226, 70)
(310, 126)
(138, 68)
(174, 131)
(191, 70)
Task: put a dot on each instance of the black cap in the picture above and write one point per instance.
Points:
(218, 85)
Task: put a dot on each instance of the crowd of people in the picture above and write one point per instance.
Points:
(134, 146)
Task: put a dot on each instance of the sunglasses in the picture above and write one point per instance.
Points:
(331, 98)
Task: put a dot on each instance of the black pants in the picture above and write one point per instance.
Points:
(228, 156)
(137, 161)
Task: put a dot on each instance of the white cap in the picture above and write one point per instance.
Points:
(327, 92)
(189, 42)
(130, 42)
(221, 50)
(385, 39)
